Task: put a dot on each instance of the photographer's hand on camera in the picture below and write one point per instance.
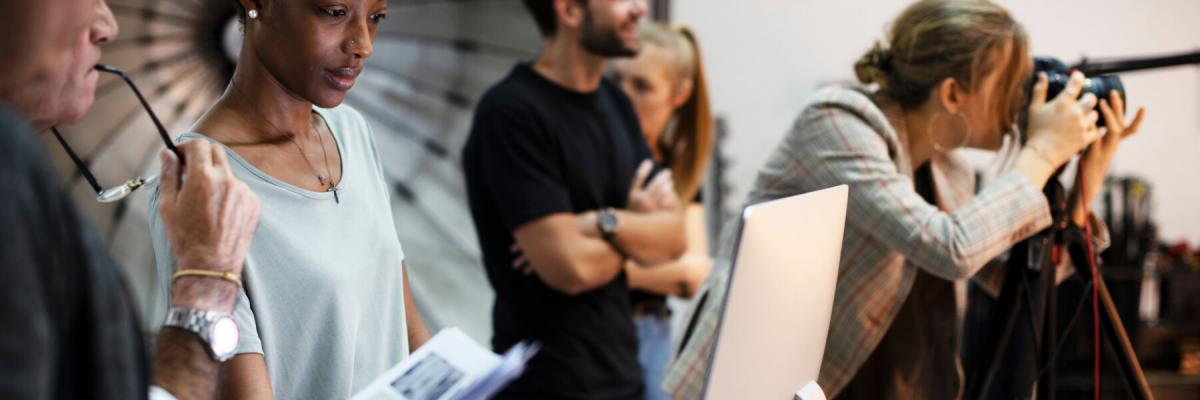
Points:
(1094, 164)
(210, 217)
(1058, 129)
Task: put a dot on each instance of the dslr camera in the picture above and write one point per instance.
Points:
(1057, 75)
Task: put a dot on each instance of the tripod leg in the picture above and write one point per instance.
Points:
(997, 358)
(1008, 366)
(1046, 384)
(1126, 358)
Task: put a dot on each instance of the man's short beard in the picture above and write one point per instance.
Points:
(604, 43)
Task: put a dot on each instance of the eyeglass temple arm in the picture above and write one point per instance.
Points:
(158, 124)
(83, 169)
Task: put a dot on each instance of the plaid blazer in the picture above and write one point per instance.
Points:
(843, 137)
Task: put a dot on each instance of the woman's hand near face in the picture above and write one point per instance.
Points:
(1058, 129)
(658, 195)
(1094, 164)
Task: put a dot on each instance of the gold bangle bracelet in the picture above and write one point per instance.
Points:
(229, 276)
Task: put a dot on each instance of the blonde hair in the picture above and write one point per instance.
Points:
(933, 40)
(688, 143)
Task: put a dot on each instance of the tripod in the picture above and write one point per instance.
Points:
(1027, 320)
(1028, 300)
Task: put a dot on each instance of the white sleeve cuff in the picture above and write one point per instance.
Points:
(158, 393)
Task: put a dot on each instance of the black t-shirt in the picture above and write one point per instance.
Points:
(70, 330)
(537, 149)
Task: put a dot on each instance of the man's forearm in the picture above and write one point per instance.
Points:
(566, 257)
(605, 262)
(183, 367)
(650, 238)
(594, 263)
(647, 238)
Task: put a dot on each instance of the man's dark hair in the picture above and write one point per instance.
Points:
(543, 14)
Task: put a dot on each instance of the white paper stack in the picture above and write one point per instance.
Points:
(450, 366)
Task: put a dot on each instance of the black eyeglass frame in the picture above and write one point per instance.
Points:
(117, 193)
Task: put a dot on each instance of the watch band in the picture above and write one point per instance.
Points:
(200, 323)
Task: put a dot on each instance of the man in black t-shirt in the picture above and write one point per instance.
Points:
(553, 180)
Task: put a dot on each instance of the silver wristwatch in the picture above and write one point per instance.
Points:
(217, 330)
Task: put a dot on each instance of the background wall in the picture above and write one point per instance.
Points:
(765, 57)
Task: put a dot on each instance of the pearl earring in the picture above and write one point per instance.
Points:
(253, 14)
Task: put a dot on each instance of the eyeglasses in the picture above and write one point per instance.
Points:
(116, 193)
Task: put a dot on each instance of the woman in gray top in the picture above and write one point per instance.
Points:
(326, 306)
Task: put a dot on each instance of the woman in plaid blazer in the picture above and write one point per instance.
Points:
(951, 77)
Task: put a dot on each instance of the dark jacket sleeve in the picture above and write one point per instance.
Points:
(69, 328)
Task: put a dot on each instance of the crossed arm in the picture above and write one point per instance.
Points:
(681, 276)
(569, 254)
(571, 261)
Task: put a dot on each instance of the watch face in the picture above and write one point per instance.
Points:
(224, 338)
(608, 222)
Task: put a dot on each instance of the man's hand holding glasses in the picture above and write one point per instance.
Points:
(117, 193)
(210, 217)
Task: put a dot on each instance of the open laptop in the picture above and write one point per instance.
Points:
(773, 326)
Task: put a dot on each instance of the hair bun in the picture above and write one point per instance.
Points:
(874, 66)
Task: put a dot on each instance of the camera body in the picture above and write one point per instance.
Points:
(1058, 73)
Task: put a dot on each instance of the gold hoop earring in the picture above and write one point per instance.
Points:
(933, 139)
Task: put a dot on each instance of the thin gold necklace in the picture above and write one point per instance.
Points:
(325, 182)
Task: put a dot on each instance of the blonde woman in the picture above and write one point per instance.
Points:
(666, 84)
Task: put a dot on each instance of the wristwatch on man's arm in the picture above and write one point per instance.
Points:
(217, 330)
(218, 334)
(607, 222)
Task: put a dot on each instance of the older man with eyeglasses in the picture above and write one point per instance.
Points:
(70, 329)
